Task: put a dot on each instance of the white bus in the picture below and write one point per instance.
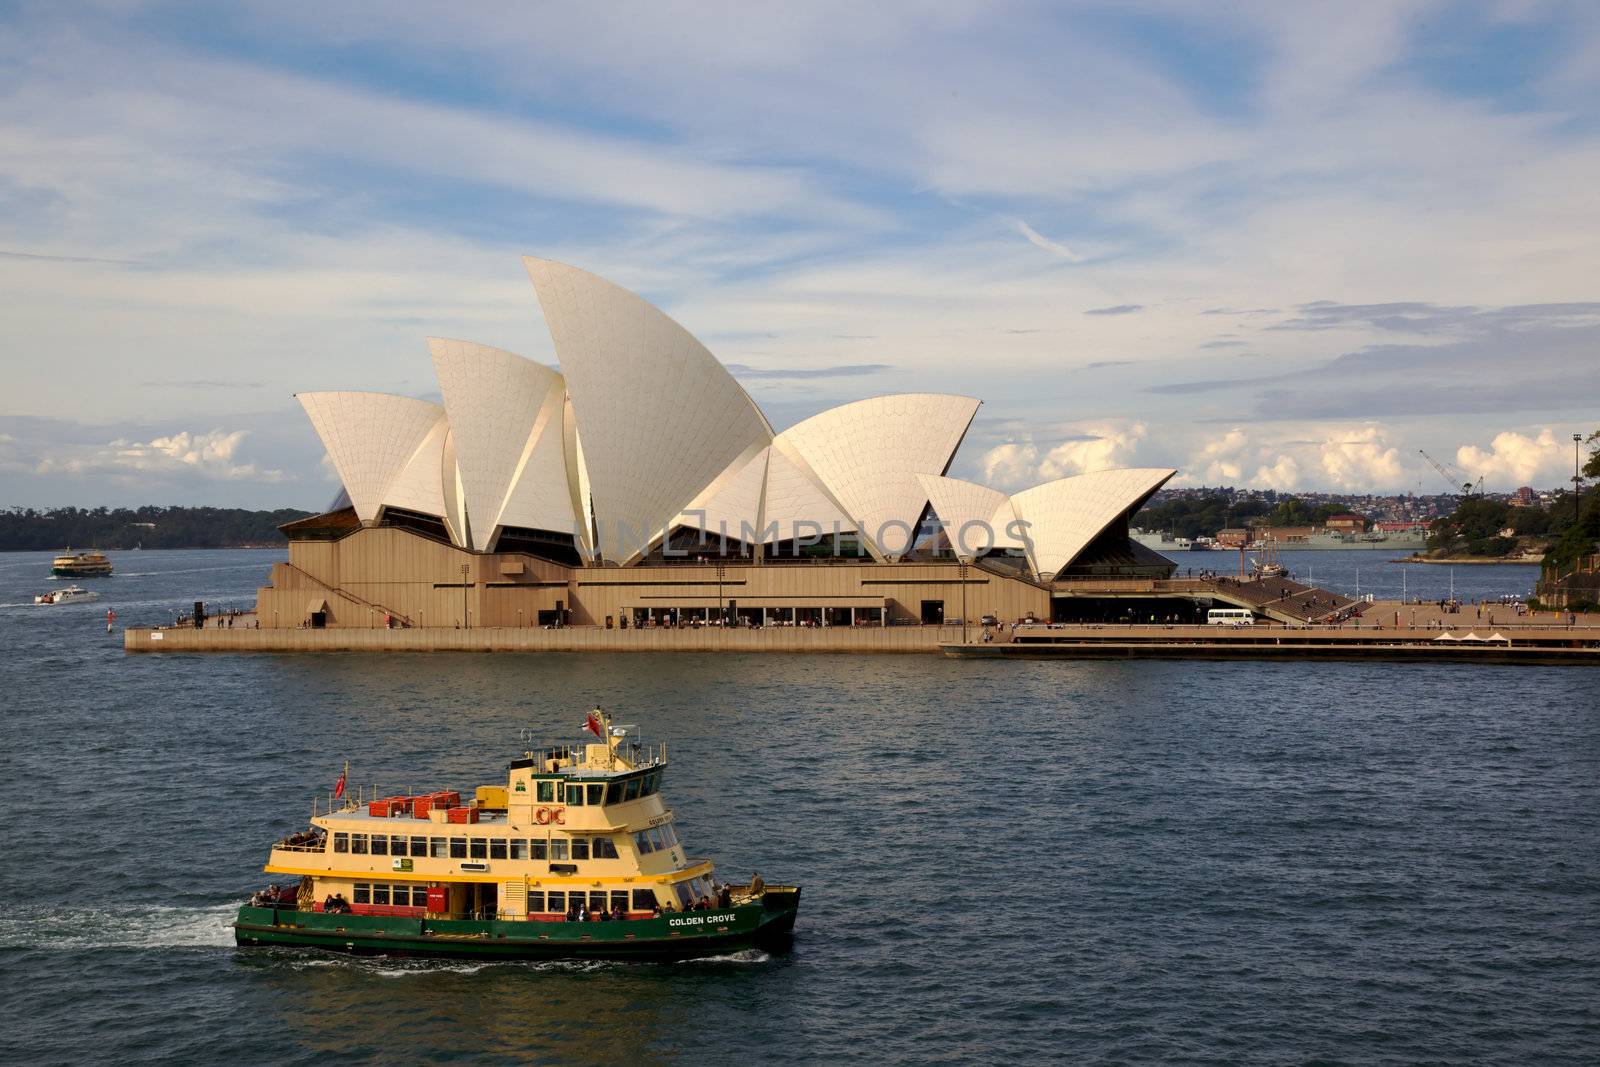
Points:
(1230, 617)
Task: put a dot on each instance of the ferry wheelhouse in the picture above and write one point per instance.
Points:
(574, 856)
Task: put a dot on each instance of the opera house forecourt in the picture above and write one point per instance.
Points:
(640, 486)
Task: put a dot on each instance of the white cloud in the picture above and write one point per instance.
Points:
(1091, 447)
(1038, 240)
(1283, 475)
(1012, 465)
(1360, 459)
(1219, 461)
(1514, 458)
(212, 455)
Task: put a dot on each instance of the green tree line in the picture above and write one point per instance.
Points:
(1203, 514)
(148, 527)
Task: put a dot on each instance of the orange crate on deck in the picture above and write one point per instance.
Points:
(447, 799)
(463, 815)
(420, 806)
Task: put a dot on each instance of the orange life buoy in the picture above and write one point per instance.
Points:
(542, 816)
(558, 816)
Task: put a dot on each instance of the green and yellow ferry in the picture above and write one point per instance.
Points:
(575, 857)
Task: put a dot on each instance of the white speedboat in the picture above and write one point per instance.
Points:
(67, 595)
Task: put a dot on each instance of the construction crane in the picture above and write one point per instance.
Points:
(1452, 474)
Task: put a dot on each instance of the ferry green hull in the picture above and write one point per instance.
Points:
(675, 936)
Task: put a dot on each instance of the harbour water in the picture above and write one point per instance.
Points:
(1076, 861)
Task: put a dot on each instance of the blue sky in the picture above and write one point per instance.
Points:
(1285, 246)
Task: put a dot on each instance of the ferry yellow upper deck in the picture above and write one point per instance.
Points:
(572, 827)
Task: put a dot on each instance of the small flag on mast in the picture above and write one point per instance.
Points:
(592, 724)
(338, 787)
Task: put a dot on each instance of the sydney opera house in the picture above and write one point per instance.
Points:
(640, 484)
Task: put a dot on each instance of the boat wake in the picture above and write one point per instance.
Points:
(391, 967)
(749, 955)
(138, 927)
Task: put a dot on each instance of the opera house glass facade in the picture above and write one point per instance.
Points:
(641, 485)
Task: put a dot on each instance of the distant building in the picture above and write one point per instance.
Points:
(1233, 538)
(1286, 535)
(1523, 497)
(1346, 524)
(1400, 527)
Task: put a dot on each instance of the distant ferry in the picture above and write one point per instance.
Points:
(574, 857)
(81, 565)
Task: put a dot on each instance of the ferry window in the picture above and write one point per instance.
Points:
(614, 793)
(458, 848)
(497, 849)
(341, 842)
(380, 894)
(657, 838)
(596, 794)
(644, 899)
(419, 896)
(641, 841)
(597, 900)
(363, 893)
(438, 847)
(633, 789)
(479, 848)
(535, 901)
(604, 848)
(580, 848)
(685, 897)
(519, 848)
(555, 900)
(652, 783)
(380, 844)
(619, 899)
(575, 795)
(547, 792)
(397, 845)
(358, 844)
(669, 835)
(558, 848)
(539, 850)
(419, 846)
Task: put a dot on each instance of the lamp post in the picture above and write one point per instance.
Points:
(722, 612)
(963, 573)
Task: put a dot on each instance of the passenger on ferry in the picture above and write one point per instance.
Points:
(757, 886)
(724, 897)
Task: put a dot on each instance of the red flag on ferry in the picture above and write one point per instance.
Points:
(338, 787)
(592, 724)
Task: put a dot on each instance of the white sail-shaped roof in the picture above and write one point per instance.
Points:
(420, 485)
(796, 505)
(505, 416)
(370, 437)
(868, 454)
(730, 507)
(974, 517)
(1063, 516)
(661, 418)
(578, 482)
(540, 497)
